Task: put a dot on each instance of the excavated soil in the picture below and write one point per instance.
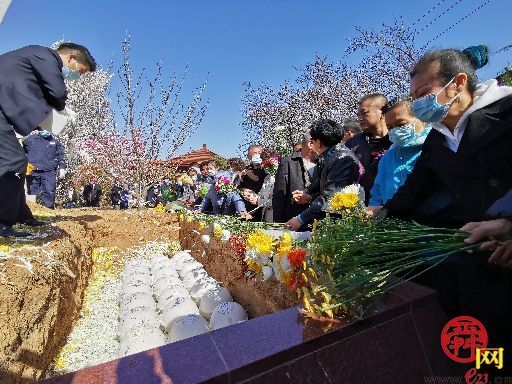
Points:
(257, 297)
(43, 282)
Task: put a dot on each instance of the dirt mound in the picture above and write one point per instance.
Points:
(42, 280)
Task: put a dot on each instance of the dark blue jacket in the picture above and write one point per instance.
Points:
(31, 84)
(222, 204)
(46, 154)
(501, 207)
(337, 168)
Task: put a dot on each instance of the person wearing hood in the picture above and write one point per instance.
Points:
(46, 154)
(407, 134)
(466, 163)
(31, 84)
(465, 167)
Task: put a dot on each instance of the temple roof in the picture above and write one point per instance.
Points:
(198, 156)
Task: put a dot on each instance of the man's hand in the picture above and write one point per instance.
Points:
(293, 224)
(245, 215)
(301, 197)
(492, 228)
(373, 210)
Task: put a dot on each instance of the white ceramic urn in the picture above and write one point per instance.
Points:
(227, 314)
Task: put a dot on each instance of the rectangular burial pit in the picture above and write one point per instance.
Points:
(398, 342)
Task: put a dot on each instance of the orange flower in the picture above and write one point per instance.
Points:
(293, 281)
(296, 257)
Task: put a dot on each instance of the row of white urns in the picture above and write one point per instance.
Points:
(139, 327)
(181, 315)
(177, 300)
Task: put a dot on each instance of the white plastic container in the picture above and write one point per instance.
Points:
(201, 286)
(188, 326)
(180, 307)
(189, 267)
(130, 346)
(227, 314)
(170, 295)
(212, 298)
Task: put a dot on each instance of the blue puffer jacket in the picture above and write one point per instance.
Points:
(394, 168)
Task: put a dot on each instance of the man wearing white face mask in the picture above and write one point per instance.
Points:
(252, 178)
(31, 85)
(407, 134)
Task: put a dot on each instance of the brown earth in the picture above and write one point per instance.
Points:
(257, 297)
(40, 304)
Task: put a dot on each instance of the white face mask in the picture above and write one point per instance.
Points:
(256, 159)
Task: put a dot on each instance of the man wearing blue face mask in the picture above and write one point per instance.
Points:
(31, 85)
(407, 134)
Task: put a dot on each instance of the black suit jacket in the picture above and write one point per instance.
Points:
(290, 176)
(31, 84)
(450, 189)
(368, 151)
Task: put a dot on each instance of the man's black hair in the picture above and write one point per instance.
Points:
(83, 54)
(327, 131)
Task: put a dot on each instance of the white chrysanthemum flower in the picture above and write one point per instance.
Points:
(251, 254)
(267, 272)
(286, 266)
(205, 239)
(355, 189)
(225, 235)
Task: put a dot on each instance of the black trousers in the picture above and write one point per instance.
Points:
(13, 205)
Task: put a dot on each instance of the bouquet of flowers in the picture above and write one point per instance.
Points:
(270, 165)
(267, 256)
(223, 185)
(169, 195)
(348, 201)
(357, 258)
(186, 179)
(202, 191)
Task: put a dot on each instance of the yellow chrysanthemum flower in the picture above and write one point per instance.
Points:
(262, 242)
(159, 208)
(343, 200)
(254, 266)
(201, 225)
(5, 248)
(217, 230)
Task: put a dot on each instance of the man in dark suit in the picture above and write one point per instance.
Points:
(92, 193)
(373, 141)
(294, 173)
(31, 84)
(252, 178)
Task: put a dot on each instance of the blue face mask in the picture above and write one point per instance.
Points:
(212, 173)
(428, 110)
(400, 136)
(70, 74)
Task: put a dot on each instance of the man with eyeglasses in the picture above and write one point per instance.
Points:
(31, 85)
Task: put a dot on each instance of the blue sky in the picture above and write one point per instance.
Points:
(234, 41)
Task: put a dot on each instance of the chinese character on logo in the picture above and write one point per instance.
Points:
(489, 356)
(461, 337)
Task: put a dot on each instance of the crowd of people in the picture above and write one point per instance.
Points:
(439, 155)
